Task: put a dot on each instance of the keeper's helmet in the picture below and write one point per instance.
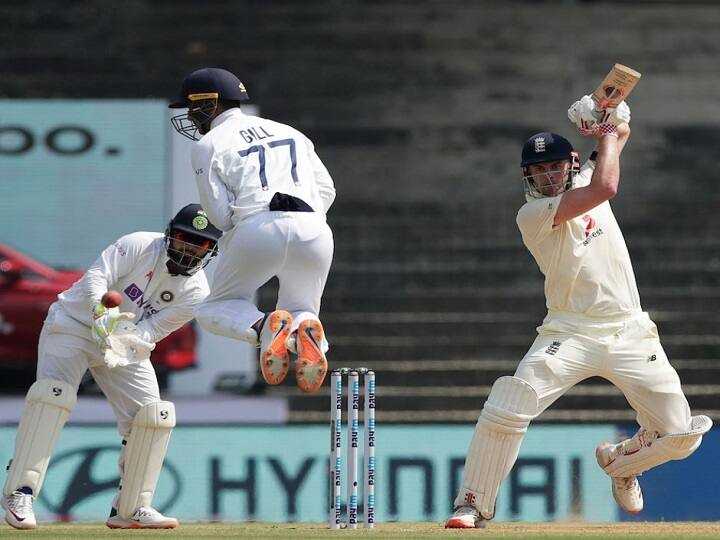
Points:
(190, 241)
(541, 148)
(199, 94)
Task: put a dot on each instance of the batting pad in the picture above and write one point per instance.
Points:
(144, 455)
(499, 432)
(48, 406)
(640, 453)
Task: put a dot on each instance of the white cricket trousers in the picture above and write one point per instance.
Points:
(626, 352)
(297, 247)
(66, 356)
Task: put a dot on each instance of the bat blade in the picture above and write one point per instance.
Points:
(616, 86)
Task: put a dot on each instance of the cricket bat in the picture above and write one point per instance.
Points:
(616, 86)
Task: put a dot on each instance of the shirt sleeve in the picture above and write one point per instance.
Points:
(166, 321)
(215, 197)
(585, 175)
(323, 180)
(535, 219)
(116, 261)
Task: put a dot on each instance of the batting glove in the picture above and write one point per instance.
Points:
(588, 120)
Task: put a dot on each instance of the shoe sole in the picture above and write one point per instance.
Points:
(30, 528)
(311, 366)
(459, 523)
(275, 360)
(136, 526)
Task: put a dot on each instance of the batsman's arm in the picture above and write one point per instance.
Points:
(605, 179)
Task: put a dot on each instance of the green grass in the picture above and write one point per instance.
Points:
(534, 531)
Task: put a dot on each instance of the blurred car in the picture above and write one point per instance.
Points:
(27, 288)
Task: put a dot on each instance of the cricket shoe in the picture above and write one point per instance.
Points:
(144, 517)
(626, 491)
(274, 357)
(465, 517)
(311, 366)
(19, 510)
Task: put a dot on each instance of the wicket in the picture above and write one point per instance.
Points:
(353, 437)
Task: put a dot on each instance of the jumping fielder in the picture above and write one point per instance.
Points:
(161, 281)
(262, 183)
(594, 326)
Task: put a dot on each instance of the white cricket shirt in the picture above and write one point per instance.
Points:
(585, 260)
(244, 160)
(134, 265)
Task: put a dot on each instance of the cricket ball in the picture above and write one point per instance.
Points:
(111, 299)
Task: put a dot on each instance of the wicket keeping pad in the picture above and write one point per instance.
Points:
(144, 455)
(48, 406)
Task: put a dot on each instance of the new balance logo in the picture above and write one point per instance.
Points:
(553, 349)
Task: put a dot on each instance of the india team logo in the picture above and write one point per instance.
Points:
(200, 222)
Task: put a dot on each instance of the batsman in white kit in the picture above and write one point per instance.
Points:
(594, 325)
(160, 279)
(262, 183)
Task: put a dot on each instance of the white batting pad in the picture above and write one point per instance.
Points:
(144, 455)
(646, 450)
(499, 432)
(48, 406)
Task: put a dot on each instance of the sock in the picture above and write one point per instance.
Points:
(259, 324)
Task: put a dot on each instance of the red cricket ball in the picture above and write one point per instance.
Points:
(111, 299)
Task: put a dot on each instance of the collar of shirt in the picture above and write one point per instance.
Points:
(224, 116)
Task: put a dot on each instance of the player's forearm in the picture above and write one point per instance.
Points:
(606, 177)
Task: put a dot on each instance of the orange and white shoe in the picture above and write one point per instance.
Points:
(274, 357)
(465, 517)
(311, 366)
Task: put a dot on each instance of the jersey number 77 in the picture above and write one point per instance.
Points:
(260, 149)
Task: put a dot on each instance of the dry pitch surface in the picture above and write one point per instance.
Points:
(408, 531)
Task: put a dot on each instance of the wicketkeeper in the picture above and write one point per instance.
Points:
(161, 281)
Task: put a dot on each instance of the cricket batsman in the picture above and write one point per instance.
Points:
(595, 325)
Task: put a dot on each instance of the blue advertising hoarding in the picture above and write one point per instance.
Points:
(279, 473)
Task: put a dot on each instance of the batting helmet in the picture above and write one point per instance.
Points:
(543, 147)
(546, 146)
